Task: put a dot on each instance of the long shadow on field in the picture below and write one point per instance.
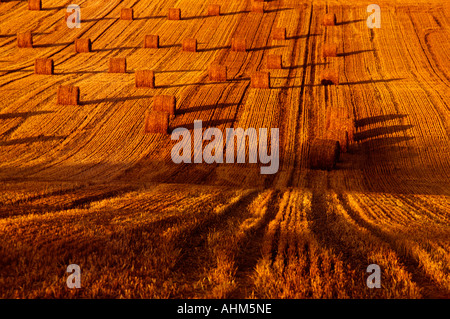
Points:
(17, 70)
(205, 124)
(78, 72)
(234, 13)
(29, 140)
(205, 107)
(177, 71)
(50, 45)
(378, 119)
(202, 83)
(344, 54)
(116, 99)
(150, 17)
(381, 142)
(359, 136)
(98, 19)
(350, 21)
(303, 36)
(22, 114)
(53, 8)
(215, 49)
(114, 49)
(266, 48)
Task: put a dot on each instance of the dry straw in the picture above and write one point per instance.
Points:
(324, 154)
(117, 65)
(25, 40)
(68, 95)
(214, 10)
(260, 80)
(34, 4)
(165, 103)
(329, 19)
(126, 14)
(258, 7)
(145, 78)
(328, 77)
(239, 44)
(279, 34)
(43, 66)
(82, 45)
(340, 126)
(174, 14)
(329, 50)
(189, 45)
(274, 61)
(151, 41)
(156, 122)
(217, 72)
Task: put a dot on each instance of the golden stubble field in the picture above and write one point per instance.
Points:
(84, 185)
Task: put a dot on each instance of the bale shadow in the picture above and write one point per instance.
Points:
(114, 49)
(50, 45)
(22, 114)
(375, 132)
(215, 49)
(29, 140)
(344, 54)
(115, 99)
(350, 21)
(205, 124)
(205, 107)
(303, 36)
(378, 119)
(266, 48)
(235, 13)
(98, 19)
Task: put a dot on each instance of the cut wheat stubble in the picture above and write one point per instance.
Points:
(68, 95)
(43, 66)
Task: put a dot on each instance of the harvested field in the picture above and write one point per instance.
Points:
(87, 177)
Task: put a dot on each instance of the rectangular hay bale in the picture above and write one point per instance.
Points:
(164, 103)
(151, 41)
(274, 61)
(217, 72)
(82, 45)
(43, 66)
(145, 78)
(68, 95)
(25, 40)
(117, 65)
(260, 80)
(34, 5)
(214, 10)
(239, 44)
(174, 14)
(126, 14)
(189, 45)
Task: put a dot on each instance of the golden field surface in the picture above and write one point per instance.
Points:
(84, 185)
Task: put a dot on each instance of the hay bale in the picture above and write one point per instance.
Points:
(279, 34)
(174, 14)
(328, 77)
(260, 80)
(43, 66)
(165, 103)
(151, 41)
(323, 154)
(217, 72)
(329, 19)
(214, 10)
(274, 61)
(117, 65)
(156, 122)
(126, 14)
(258, 7)
(239, 44)
(82, 45)
(25, 40)
(34, 5)
(68, 95)
(329, 50)
(144, 78)
(189, 45)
